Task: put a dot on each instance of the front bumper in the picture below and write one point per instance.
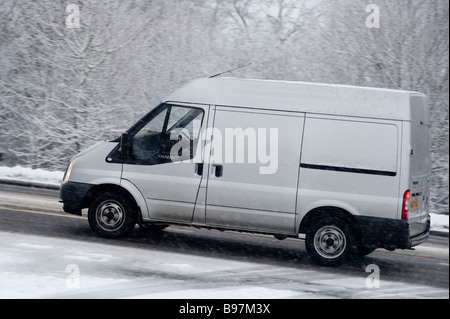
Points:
(73, 195)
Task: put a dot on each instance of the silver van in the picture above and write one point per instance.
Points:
(346, 166)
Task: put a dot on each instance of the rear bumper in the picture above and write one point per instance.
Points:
(72, 196)
(390, 234)
(423, 237)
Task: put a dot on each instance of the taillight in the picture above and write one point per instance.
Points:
(405, 206)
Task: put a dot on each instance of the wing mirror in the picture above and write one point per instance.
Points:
(125, 144)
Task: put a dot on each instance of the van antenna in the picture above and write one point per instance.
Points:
(238, 67)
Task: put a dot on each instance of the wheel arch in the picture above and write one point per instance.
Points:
(330, 211)
(94, 192)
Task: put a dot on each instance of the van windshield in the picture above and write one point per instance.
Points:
(169, 135)
(185, 120)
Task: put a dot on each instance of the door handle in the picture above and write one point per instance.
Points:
(218, 170)
(199, 169)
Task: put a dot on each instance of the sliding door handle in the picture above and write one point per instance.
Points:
(199, 169)
(218, 170)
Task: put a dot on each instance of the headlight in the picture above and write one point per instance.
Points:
(67, 173)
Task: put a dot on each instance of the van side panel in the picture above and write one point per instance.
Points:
(352, 164)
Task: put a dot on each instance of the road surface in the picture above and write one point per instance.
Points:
(40, 242)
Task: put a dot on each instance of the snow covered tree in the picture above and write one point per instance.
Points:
(408, 51)
(64, 86)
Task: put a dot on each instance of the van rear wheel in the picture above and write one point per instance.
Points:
(330, 241)
(111, 216)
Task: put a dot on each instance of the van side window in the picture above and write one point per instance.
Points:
(171, 135)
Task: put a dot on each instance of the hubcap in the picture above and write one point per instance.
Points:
(330, 242)
(110, 215)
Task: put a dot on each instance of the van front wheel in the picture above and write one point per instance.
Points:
(111, 216)
(330, 242)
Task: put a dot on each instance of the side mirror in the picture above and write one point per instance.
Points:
(125, 144)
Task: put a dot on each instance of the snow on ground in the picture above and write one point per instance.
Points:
(49, 268)
(44, 267)
(439, 222)
(39, 176)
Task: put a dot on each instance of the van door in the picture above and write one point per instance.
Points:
(253, 171)
(420, 165)
(161, 163)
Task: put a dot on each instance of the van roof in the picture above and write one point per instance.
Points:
(297, 97)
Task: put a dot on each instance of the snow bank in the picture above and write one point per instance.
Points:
(439, 222)
(25, 174)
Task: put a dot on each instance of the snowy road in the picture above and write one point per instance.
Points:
(45, 254)
(44, 267)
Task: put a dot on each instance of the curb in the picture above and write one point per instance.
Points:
(439, 233)
(29, 184)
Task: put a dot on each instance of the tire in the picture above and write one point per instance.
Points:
(111, 216)
(330, 242)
